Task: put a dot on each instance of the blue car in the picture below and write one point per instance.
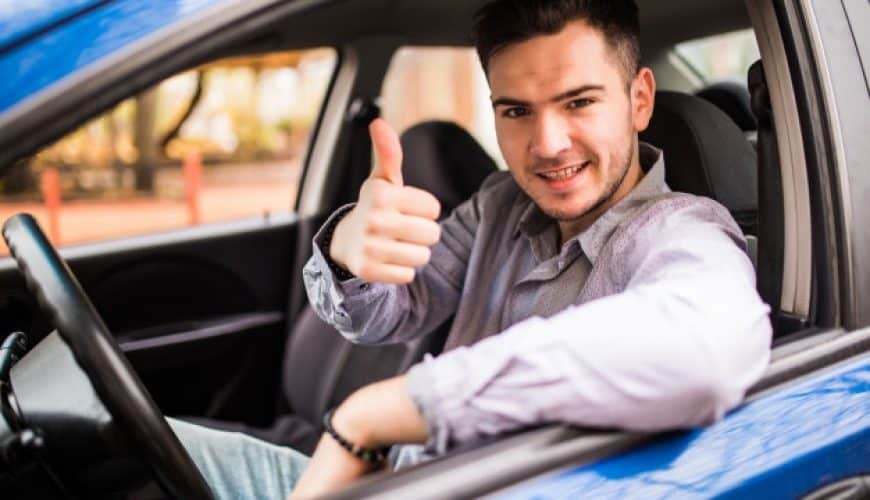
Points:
(207, 319)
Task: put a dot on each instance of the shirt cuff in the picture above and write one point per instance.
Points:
(439, 387)
(341, 303)
(457, 395)
(323, 239)
(420, 378)
(321, 260)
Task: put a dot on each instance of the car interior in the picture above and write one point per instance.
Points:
(214, 320)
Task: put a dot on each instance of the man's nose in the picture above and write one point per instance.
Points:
(550, 137)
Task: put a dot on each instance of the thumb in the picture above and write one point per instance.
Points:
(388, 152)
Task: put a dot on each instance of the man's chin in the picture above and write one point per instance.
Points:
(564, 215)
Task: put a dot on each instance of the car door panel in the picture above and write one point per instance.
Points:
(199, 312)
(784, 443)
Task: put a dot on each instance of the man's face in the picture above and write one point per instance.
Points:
(567, 120)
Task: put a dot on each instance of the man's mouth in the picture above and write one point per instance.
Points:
(563, 173)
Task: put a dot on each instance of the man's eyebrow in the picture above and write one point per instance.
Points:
(576, 92)
(509, 101)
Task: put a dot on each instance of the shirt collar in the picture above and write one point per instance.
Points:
(533, 221)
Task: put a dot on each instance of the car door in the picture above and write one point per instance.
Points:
(188, 246)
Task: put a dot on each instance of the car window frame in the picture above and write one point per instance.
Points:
(58, 109)
(142, 66)
(838, 104)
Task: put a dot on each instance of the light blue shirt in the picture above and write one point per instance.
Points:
(648, 320)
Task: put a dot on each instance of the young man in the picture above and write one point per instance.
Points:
(582, 289)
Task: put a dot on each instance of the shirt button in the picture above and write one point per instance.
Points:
(364, 286)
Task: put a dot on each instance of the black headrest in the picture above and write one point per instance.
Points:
(444, 159)
(733, 99)
(705, 152)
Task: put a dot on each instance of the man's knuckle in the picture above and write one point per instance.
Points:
(406, 274)
(381, 197)
(425, 254)
(434, 233)
(366, 269)
(369, 248)
(375, 223)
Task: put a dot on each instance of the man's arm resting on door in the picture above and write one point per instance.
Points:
(676, 349)
(376, 415)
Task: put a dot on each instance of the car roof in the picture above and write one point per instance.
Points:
(448, 22)
(54, 40)
(21, 21)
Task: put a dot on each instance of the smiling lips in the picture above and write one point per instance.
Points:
(563, 174)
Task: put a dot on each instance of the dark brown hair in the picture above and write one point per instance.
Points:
(500, 23)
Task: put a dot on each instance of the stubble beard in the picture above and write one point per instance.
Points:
(606, 194)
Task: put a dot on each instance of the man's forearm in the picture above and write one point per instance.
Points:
(374, 416)
(381, 414)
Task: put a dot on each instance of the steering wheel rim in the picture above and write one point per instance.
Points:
(62, 298)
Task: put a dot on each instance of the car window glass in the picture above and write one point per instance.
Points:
(725, 56)
(440, 83)
(221, 142)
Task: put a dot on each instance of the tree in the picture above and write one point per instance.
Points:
(145, 141)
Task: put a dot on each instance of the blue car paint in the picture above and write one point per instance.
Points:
(68, 48)
(784, 444)
(20, 19)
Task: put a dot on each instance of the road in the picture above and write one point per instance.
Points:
(227, 194)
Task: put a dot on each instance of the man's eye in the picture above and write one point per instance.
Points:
(515, 112)
(579, 103)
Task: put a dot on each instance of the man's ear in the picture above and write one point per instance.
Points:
(643, 96)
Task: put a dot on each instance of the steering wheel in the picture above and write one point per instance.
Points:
(61, 297)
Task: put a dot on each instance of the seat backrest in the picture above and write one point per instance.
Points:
(320, 367)
(733, 99)
(706, 154)
(444, 159)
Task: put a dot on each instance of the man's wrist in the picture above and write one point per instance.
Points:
(335, 242)
(350, 420)
(381, 414)
(371, 455)
(329, 247)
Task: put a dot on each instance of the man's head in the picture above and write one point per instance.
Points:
(569, 99)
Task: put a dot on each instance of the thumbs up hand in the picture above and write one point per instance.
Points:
(390, 230)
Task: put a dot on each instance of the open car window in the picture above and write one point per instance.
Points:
(440, 83)
(220, 142)
(725, 56)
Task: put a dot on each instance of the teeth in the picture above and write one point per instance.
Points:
(560, 175)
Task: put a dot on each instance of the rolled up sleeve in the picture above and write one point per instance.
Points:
(677, 348)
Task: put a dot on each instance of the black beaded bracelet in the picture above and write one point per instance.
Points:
(375, 456)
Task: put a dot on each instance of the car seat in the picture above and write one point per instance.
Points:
(321, 368)
(706, 154)
(733, 99)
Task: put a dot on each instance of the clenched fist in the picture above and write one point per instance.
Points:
(389, 231)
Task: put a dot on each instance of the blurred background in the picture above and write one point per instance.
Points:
(227, 140)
